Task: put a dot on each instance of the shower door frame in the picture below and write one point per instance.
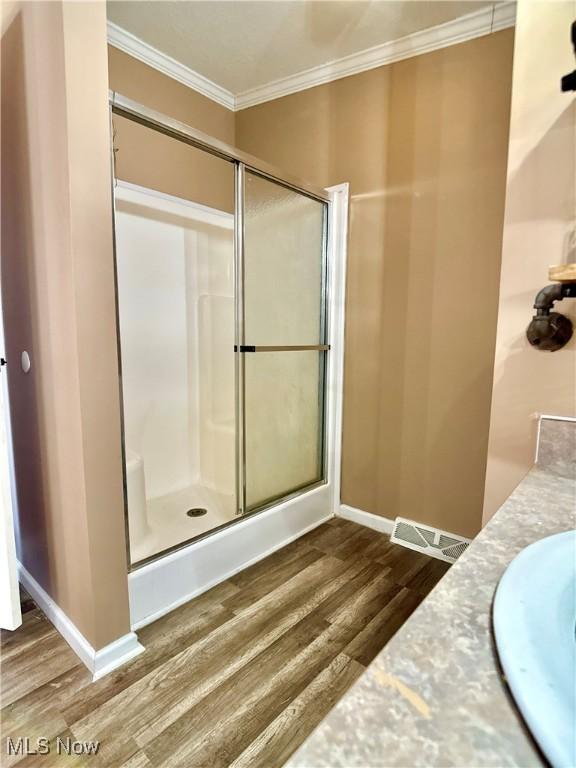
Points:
(330, 433)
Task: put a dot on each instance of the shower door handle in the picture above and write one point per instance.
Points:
(290, 348)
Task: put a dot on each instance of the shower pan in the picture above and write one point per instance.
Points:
(230, 304)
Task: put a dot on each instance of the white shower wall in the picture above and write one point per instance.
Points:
(176, 312)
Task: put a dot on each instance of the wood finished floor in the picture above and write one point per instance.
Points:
(239, 676)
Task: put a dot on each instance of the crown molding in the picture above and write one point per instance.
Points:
(477, 24)
(140, 50)
(492, 19)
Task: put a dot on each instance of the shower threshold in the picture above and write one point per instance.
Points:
(170, 524)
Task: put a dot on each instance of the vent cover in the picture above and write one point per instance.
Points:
(431, 541)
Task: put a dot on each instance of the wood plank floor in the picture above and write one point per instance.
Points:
(239, 676)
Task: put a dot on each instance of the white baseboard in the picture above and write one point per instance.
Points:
(376, 522)
(165, 584)
(115, 654)
(99, 662)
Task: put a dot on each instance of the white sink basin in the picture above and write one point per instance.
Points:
(534, 620)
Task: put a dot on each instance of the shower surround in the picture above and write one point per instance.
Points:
(176, 321)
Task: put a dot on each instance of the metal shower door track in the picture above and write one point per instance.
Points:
(138, 113)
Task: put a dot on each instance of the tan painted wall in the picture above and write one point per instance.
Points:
(539, 231)
(426, 172)
(423, 143)
(58, 299)
(155, 161)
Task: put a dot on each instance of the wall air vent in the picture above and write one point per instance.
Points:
(431, 541)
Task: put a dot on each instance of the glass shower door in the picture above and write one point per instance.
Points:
(284, 340)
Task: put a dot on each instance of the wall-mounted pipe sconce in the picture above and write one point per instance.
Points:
(568, 82)
(549, 330)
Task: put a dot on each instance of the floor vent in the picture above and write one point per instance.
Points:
(432, 541)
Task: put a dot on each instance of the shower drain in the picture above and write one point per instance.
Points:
(196, 512)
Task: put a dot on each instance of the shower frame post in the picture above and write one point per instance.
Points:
(240, 366)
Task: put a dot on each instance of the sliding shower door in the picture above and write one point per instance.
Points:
(221, 275)
(283, 340)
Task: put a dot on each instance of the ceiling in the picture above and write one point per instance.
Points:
(243, 44)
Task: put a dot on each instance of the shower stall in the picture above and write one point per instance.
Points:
(230, 302)
(176, 321)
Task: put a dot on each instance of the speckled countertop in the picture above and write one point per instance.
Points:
(434, 696)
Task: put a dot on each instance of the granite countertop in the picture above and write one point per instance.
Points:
(435, 696)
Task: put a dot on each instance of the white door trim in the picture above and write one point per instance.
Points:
(337, 261)
(10, 613)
